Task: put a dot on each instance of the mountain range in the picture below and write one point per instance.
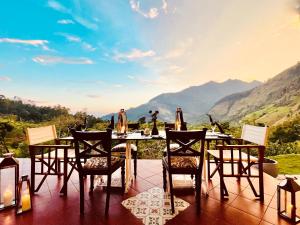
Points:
(270, 103)
(195, 101)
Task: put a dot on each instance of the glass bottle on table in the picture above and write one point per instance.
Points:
(177, 120)
(122, 122)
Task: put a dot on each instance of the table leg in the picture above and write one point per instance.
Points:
(128, 175)
(204, 176)
(64, 189)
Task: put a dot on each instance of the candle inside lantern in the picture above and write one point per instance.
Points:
(26, 204)
(289, 209)
(7, 198)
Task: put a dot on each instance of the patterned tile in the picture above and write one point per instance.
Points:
(153, 207)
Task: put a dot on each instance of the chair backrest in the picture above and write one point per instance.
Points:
(92, 144)
(186, 141)
(255, 134)
(40, 134)
(171, 126)
(133, 126)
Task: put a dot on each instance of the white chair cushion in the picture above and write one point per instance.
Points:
(122, 147)
(172, 147)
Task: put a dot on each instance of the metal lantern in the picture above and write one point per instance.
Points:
(24, 194)
(9, 176)
(286, 200)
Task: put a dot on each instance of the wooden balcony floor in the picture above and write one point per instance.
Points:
(49, 208)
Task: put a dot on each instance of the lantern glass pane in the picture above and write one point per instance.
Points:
(286, 205)
(7, 187)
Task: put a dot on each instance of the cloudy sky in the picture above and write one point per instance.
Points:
(100, 56)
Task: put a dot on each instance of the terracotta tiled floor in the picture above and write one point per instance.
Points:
(49, 208)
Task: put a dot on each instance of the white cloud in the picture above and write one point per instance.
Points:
(131, 77)
(134, 54)
(46, 60)
(5, 78)
(35, 43)
(73, 38)
(78, 18)
(65, 21)
(181, 49)
(84, 22)
(93, 96)
(151, 14)
(70, 37)
(173, 69)
(88, 47)
(57, 6)
(118, 85)
(164, 6)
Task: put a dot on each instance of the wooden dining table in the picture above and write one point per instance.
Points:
(137, 136)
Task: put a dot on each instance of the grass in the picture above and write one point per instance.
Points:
(288, 164)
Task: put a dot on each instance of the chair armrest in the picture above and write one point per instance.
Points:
(49, 146)
(239, 146)
(70, 138)
(236, 139)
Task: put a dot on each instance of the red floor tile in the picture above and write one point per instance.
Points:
(50, 208)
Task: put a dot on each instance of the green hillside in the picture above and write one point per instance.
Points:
(271, 103)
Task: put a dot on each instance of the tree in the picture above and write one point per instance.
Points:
(5, 127)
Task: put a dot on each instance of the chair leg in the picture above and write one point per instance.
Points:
(198, 192)
(32, 174)
(59, 166)
(134, 154)
(81, 187)
(91, 183)
(123, 177)
(223, 189)
(108, 193)
(164, 178)
(171, 193)
(208, 167)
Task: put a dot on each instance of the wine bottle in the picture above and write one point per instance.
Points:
(177, 120)
(183, 124)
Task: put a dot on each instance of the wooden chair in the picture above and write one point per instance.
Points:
(48, 156)
(185, 159)
(99, 161)
(170, 126)
(134, 147)
(238, 156)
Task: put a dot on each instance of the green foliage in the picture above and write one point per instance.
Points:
(27, 112)
(289, 131)
(14, 140)
(151, 149)
(277, 148)
(288, 164)
(283, 139)
(5, 127)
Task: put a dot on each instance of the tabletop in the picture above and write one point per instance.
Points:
(161, 136)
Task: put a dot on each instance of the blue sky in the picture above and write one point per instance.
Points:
(100, 56)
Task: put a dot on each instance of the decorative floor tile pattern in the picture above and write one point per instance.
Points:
(153, 207)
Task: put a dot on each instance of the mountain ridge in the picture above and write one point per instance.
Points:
(195, 100)
(270, 103)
